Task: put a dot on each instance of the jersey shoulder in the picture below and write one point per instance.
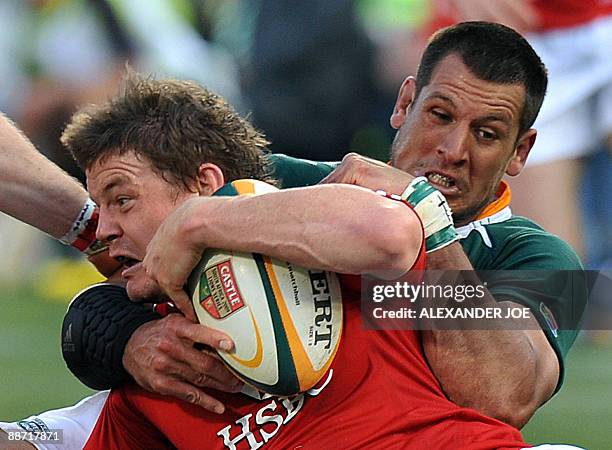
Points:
(297, 172)
(517, 244)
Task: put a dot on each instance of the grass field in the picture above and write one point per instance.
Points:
(34, 378)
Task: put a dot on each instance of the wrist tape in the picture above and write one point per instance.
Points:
(97, 326)
(433, 209)
(82, 233)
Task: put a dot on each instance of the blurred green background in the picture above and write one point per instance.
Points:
(34, 377)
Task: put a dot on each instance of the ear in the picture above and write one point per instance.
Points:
(405, 97)
(210, 179)
(521, 152)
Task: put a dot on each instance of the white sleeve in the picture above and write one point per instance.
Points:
(74, 422)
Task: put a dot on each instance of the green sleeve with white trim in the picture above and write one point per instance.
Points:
(538, 270)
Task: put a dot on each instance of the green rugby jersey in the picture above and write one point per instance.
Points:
(532, 267)
(501, 242)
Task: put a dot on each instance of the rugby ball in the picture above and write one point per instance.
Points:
(285, 320)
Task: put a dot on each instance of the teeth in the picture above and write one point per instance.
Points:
(440, 179)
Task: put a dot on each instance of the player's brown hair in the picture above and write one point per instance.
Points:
(177, 125)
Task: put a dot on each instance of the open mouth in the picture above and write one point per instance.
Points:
(127, 262)
(440, 180)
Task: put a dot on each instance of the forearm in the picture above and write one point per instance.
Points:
(32, 188)
(502, 372)
(339, 228)
(496, 372)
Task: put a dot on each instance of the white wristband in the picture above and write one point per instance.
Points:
(80, 223)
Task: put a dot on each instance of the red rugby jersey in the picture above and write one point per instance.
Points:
(379, 393)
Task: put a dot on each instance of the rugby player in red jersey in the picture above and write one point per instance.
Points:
(456, 131)
(379, 390)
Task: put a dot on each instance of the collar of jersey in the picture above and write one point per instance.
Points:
(495, 212)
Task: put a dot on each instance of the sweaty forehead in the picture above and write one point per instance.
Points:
(454, 82)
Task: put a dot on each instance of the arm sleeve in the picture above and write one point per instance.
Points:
(99, 322)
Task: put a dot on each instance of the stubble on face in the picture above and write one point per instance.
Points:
(134, 200)
(460, 133)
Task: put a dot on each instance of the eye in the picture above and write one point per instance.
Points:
(486, 134)
(441, 115)
(122, 201)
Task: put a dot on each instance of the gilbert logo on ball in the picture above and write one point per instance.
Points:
(285, 321)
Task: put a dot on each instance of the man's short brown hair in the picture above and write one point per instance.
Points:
(177, 125)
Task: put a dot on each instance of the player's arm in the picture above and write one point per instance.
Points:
(36, 191)
(504, 373)
(159, 354)
(106, 338)
(33, 189)
(340, 228)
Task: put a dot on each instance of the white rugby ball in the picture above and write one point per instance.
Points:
(285, 321)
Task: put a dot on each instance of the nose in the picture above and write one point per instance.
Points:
(453, 148)
(108, 228)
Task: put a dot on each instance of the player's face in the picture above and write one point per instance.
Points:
(462, 133)
(133, 201)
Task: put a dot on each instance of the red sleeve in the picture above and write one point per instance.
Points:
(121, 426)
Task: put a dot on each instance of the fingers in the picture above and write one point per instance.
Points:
(330, 178)
(345, 172)
(142, 287)
(189, 393)
(336, 176)
(182, 301)
(201, 362)
(205, 370)
(207, 336)
(161, 357)
(171, 278)
(217, 377)
(193, 367)
(369, 173)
